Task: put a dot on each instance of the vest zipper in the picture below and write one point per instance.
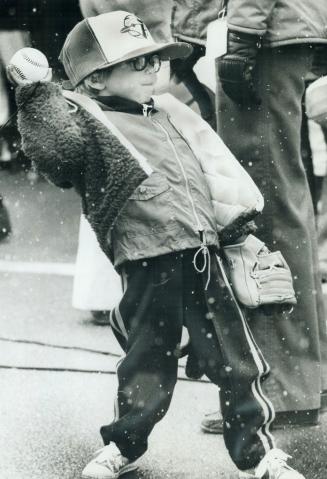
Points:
(198, 222)
(186, 141)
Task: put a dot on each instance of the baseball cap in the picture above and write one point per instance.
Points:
(105, 40)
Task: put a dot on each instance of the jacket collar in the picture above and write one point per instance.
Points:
(117, 103)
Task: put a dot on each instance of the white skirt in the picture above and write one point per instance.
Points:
(97, 286)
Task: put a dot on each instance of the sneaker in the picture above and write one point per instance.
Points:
(272, 466)
(108, 463)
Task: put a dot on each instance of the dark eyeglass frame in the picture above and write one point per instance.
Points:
(140, 63)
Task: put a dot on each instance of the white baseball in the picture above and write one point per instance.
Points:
(30, 64)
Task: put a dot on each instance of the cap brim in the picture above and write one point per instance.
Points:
(168, 51)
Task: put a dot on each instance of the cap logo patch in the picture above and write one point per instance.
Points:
(134, 27)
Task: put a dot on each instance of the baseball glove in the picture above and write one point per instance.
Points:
(257, 276)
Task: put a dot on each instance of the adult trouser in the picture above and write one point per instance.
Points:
(266, 140)
(161, 295)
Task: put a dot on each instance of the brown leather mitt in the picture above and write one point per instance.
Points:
(257, 276)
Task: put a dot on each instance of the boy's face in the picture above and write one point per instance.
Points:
(126, 81)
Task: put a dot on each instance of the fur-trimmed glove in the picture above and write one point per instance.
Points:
(236, 67)
(257, 276)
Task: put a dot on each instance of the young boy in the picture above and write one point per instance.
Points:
(149, 173)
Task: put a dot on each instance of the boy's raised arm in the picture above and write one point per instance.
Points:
(51, 137)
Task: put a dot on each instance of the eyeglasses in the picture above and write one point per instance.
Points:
(153, 63)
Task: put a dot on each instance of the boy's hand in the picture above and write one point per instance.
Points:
(16, 79)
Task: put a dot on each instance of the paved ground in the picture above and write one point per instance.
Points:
(57, 380)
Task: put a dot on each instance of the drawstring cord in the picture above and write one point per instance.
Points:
(206, 262)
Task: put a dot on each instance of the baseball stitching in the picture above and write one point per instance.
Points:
(20, 73)
(33, 62)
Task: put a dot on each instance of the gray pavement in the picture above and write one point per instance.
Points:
(57, 369)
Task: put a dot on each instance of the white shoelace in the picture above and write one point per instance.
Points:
(273, 462)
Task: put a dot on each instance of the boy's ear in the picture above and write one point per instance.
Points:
(95, 81)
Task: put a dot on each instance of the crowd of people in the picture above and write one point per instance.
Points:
(164, 195)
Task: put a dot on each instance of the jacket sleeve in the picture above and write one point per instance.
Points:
(51, 137)
(249, 16)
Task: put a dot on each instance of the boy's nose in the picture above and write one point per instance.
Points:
(153, 76)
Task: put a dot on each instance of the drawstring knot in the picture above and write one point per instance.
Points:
(206, 262)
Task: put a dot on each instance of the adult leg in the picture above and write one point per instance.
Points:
(148, 323)
(266, 140)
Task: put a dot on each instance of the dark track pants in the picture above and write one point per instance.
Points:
(161, 295)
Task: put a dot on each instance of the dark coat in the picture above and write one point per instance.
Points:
(281, 22)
